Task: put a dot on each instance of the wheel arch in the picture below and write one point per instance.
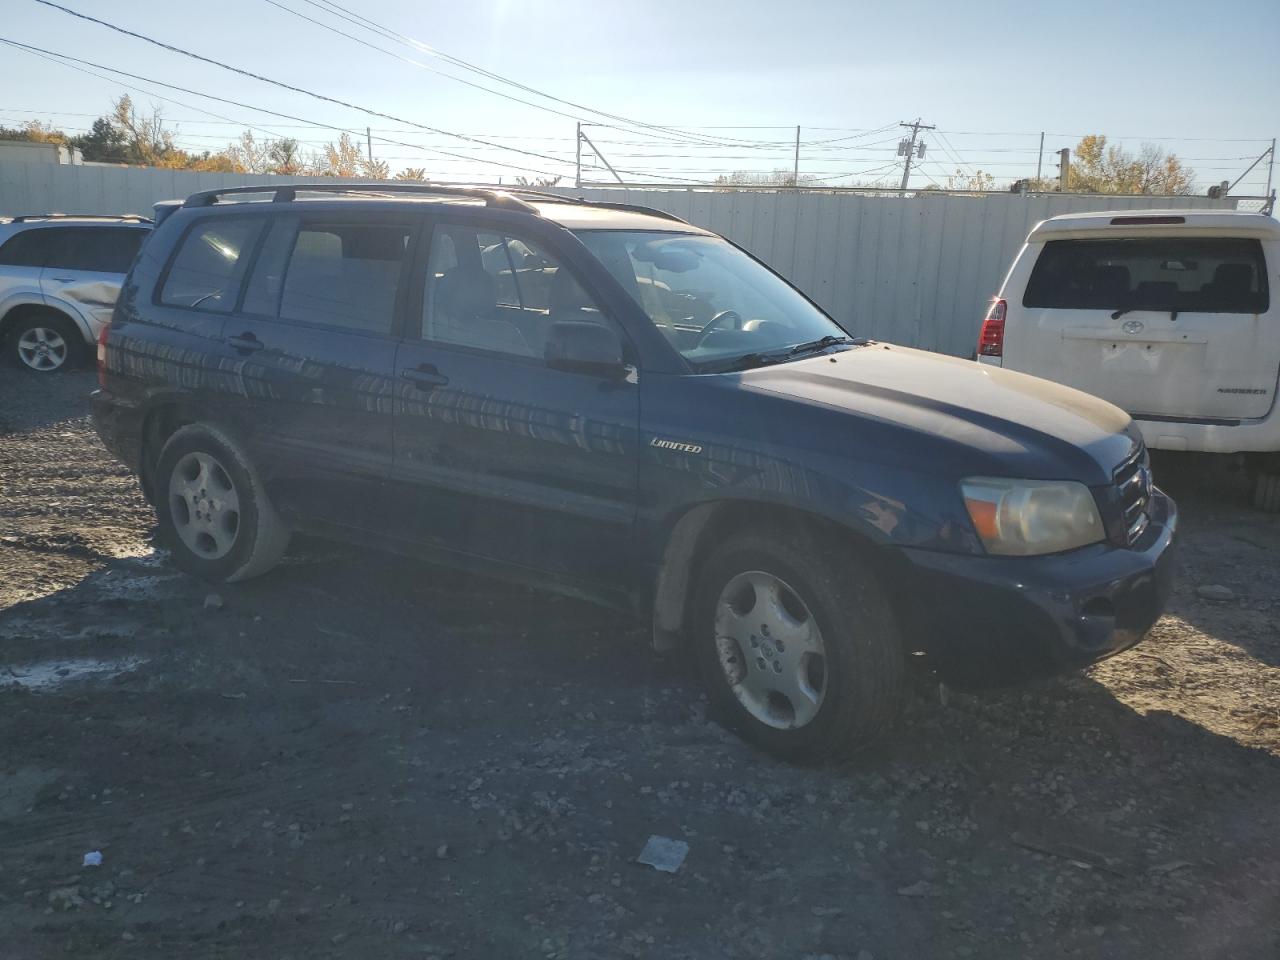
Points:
(14, 311)
(164, 417)
(698, 529)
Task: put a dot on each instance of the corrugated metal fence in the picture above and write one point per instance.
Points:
(916, 270)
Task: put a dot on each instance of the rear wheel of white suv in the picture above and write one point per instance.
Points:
(44, 342)
(797, 646)
(214, 514)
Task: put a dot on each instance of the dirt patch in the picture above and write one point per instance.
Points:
(364, 756)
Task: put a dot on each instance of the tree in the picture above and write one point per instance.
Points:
(247, 155)
(341, 159)
(772, 178)
(104, 143)
(286, 158)
(375, 169)
(524, 181)
(147, 140)
(1098, 168)
(412, 173)
(978, 181)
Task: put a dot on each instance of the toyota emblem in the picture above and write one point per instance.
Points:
(1132, 326)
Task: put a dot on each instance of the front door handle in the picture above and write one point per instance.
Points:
(246, 341)
(425, 375)
(63, 279)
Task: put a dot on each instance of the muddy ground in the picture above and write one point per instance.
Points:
(364, 756)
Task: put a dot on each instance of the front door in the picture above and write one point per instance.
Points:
(1170, 327)
(498, 455)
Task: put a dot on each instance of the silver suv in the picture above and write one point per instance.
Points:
(60, 275)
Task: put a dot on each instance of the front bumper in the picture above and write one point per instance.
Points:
(991, 620)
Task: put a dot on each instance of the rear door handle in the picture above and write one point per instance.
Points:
(63, 279)
(425, 376)
(246, 341)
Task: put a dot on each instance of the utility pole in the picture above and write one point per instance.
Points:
(908, 148)
(795, 174)
(1271, 165)
(1040, 159)
(577, 158)
(1064, 169)
(368, 142)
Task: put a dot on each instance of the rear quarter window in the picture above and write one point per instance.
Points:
(1184, 275)
(26, 249)
(207, 270)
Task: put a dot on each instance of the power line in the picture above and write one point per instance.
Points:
(209, 96)
(350, 16)
(419, 63)
(280, 83)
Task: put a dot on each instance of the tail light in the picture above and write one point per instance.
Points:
(102, 354)
(991, 339)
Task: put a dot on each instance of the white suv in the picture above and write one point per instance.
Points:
(60, 275)
(1167, 314)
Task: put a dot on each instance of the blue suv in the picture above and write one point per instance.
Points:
(607, 401)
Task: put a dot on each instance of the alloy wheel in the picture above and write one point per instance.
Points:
(770, 649)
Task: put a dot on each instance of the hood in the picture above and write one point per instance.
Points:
(1017, 425)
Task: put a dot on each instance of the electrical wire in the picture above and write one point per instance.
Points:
(209, 96)
(285, 86)
(365, 23)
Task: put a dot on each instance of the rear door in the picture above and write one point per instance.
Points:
(312, 347)
(1170, 327)
(84, 267)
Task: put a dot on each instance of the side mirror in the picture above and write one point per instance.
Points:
(585, 348)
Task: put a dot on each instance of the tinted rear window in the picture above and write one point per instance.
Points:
(1187, 275)
(209, 265)
(25, 249)
(96, 249)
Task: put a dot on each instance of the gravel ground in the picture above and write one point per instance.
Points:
(363, 756)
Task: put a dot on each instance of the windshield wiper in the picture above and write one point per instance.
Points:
(749, 360)
(819, 344)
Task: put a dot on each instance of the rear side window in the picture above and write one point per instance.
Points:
(345, 275)
(97, 249)
(207, 270)
(26, 249)
(1184, 275)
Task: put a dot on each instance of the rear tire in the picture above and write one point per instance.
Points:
(1266, 492)
(841, 646)
(43, 341)
(214, 514)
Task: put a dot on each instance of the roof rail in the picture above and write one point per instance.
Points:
(79, 216)
(500, 199)
(612, 205)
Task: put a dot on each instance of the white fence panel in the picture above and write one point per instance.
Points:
(917, 270)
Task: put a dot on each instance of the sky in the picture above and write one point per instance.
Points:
(702, 86)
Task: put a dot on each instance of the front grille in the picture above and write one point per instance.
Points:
(1133, 486)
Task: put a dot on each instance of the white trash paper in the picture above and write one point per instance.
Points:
(663, 853)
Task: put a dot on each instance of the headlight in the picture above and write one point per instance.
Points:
(1026, 517)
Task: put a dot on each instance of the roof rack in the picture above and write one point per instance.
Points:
(516, 198)
(500, 199)
(79, 216)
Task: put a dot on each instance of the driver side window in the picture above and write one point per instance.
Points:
(495, 292)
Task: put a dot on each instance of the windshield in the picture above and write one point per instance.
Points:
(712, 301)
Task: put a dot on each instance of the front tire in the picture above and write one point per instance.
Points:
(797, 646)
(213, 510)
